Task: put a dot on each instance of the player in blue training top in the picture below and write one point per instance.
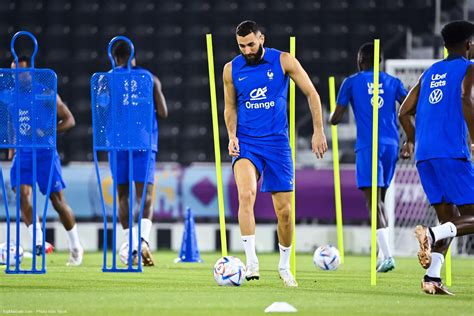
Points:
(358, 90)
(43, 164)
(255, 91)
(443, 105)
(121, 53)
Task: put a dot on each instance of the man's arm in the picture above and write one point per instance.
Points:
(66, 119)
(293, 68)
(467, 97)
(159, 99)
(230, 110)
(336, 116)
(407, 110)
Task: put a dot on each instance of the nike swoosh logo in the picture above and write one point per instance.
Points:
(243, 78)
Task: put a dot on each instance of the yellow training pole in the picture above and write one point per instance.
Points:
(293, 156)
(337, 177)
(375, 150)
(448, 253)
(217, 150)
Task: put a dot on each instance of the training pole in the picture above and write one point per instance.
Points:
(375, 138)
(293, 156)
(337, 178)
(217, 147)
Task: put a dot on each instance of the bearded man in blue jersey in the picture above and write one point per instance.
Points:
(443, 105)
(255, 91)
(358, 90)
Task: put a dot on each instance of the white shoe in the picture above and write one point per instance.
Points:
(252, 272)
(75, 257)
(287, 278)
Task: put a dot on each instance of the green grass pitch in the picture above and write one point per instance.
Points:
(189, 289)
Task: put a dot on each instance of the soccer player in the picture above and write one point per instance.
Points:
(443, 105)
(121, 52)
(358, 90)
(255, 91)
(43, 163)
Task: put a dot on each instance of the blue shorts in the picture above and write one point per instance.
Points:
(43, 166)
(139, 166)
(388, 156)
(273, 163)
(447, 180)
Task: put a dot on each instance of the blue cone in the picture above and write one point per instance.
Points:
(189, 249)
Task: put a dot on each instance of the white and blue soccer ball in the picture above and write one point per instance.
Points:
(327, 257)
(13, 257)
(229, 271)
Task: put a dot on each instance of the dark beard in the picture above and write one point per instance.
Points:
(255, 59)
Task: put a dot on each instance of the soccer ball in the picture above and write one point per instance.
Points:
(229, 271)
(327, 257)
(13, 257)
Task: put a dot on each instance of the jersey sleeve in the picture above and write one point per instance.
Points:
(401, 91)
(345, 93)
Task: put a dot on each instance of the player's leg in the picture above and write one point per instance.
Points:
(67, 218)
(146, 221)
(26, 206)
(458, 225)
(364, 183)
(282, 205)
(388, 156)
(452, 183)
(388, 263)
(246, 176)
(141, 161)
(58, 200)
(278, 179)
(433, 258)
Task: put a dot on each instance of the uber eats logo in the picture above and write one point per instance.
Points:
(437, 80)
(259, 94)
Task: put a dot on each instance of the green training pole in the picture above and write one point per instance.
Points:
(375, 139)
(217, 151)
(337, 178)
(293, 156)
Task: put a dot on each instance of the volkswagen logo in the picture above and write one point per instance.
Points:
(435, 96)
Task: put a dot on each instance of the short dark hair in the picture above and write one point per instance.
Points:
(24, 59)
(456, 32)
(121, 50)
(247, 27)
(367, 52)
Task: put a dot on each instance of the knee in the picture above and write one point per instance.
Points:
(247, 196)
(58, 203)
(284, 214)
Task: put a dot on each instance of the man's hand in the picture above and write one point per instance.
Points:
(407, 150)
(11, 153)
(234, 149)
(318, 144)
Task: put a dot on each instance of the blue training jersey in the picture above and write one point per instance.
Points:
(33, 124)
(441, 131)
(358, 90)
(135, 92)
(262, 92)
